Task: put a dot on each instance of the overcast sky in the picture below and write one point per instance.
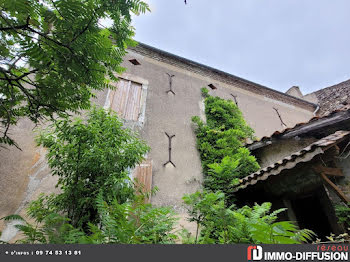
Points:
(277, 43)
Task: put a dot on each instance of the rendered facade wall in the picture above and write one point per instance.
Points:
(166, 112)
(23, 174)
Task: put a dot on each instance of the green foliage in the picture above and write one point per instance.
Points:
(221, 225)
(205, 92)
(343, 214)
(132, 222)
(49, 226)
(220, 144)
(89, 156)
(98, 202)
(54, 54)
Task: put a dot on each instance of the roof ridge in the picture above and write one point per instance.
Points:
(329, 87)
(218, 71)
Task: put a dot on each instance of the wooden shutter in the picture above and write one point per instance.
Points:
(143, 174)
(125, 100)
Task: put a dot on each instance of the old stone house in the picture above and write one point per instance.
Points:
(157, 96)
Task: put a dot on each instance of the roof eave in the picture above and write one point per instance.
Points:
(323, 122)
(236, 78)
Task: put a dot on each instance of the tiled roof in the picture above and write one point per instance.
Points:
(277, 134)
(333, 97)
(304, 155)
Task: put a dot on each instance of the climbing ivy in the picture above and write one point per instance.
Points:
(220, 142)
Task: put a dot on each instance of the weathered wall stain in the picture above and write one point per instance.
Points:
(25, 174)
(40, 180)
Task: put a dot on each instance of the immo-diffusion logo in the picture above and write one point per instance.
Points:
(316, 253)
(254, 253)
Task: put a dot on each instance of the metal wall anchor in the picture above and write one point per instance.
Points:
(170, 83)
(278, 113)
(169, 161)
(235, 98)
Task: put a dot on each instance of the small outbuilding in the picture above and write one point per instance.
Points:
(305, 169)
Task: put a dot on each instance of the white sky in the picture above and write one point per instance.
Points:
(277, 43)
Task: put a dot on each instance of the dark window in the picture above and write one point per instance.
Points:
(134, 62)
(212, 86)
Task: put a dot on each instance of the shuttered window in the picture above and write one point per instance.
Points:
(143, 175)
(125, 100)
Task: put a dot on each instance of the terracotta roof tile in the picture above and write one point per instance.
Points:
(280, 133)
(304, 155)
(333, 97)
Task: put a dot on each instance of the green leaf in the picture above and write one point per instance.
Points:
(13, 217)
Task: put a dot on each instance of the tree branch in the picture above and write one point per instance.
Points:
(83, 31)
(50, 39)
(13, 27)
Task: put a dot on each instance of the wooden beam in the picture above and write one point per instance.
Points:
(260, 144)
(321, 123)
(329, 171)
(335, 188)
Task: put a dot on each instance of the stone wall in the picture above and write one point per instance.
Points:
(171, 113)
(164, 112)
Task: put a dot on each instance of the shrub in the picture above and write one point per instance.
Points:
(220, 142)
(90, 156)
(221, 225)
